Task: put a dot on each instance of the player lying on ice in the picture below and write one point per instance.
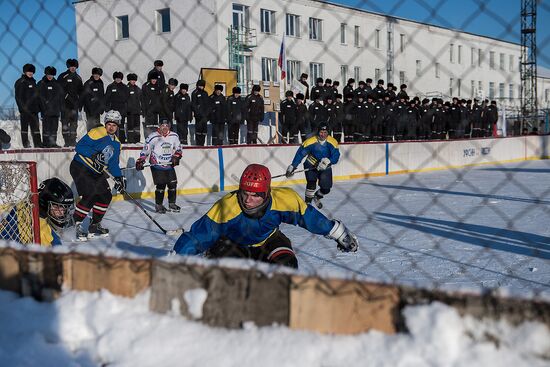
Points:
(245, 223)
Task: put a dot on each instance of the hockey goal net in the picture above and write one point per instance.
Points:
(19, 210)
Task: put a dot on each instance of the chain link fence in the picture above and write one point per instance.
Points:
(450, 213)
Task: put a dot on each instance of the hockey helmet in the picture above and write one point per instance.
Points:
(112, 116)
(56, 202)
(255, 178)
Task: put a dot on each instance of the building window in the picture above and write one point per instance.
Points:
(460, 54)
(122, 27)
(315, 70)
(315, 29)
(356, 36)
(437, 72)
(293, 25)
(402, 42)
(357, 73)
(459, 86)
(377, 74)
(240, 16)
(511, 63)
(473, 88)
(293, 70)
(402, 77)
(546, 95)
(344, 74)
(492, 60)
(452, 53)
(377, 39)
(343, 35)
(501, 62)
(511, 92)
(473, 57)
(162, 20)
(267, 21)
(479, 57)
(269, 69)
(480, 87)
(501, 90)
(451, 82)
(418, 67)
(491, 90)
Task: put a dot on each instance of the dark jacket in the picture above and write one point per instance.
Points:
(183, 107)
(201, 103)
(254, 107)
(168, 103)
(134, 100)
(116, 98)
(51, 97)
(150, 98)
(288, 113)
(218, 113)
(93, 97)
(235, 110)
(26, 95)
(72, 86)
(317, 114)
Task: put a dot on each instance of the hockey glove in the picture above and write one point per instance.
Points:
(290, 171)
(140, 163)
(176, 159)
(347, 241)
(323, 164)
(120, 183)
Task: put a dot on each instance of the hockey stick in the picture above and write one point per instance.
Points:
(137, 203)
(146, 165)
(298, 171)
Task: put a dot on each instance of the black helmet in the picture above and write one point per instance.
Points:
(53, 191)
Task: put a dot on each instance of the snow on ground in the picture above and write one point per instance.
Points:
(484, 227)
(99, 329)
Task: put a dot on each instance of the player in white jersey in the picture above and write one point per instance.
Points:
(163, 150)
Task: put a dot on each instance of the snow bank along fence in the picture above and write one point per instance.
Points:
(207, 169)
(230, 297)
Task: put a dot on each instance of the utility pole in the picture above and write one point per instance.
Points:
(528, 64)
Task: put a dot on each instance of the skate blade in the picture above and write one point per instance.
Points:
(174, 232)
(91, 235)
(81, 239)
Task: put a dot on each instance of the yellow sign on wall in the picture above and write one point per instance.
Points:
(225, 77)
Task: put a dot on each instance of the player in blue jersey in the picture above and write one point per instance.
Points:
(97, 151)
(321, 152)
(245, 223)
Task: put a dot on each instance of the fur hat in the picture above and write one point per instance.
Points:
(369, 80)
(256, 88)
(361, 82)
(218, 87)
(339, 95)
(351, 81)
(50, 70)
(29, 68)
(153, 74)
(173, 81)
(158, 63)
(403, 86)
(97, 71)
(118, 74)
(184, 86)
(289, 93)
(300, 96)
(328, 81)
(335, 83)
(131, 76)
(72, 62)
(201, 83)
(318, 80)
(380, 81)
(236, 90)
(304, 75)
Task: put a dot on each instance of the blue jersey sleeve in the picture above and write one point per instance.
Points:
(202, 235)
(301, 153)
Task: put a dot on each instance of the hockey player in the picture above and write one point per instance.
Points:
(95, 152)
(163, 150)
(245, 223)
(322, 152)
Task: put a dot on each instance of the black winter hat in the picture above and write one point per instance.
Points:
(339, 95)
(425, 100)
(328, 81)
(153, 74)
(50, 70)
(300, 96)
(335, 83)
(29, 68)
(236, 90)
(173, 81)
(97, 71)
(322, 127)
(362, 82)
(403, 86)
(118, 74)
(319, 80)
(131, 76)
(218, 87)
(289, 93)
(201, 83)
(304, 75)
(184, 86)
(369, 80)
(256, 88)
(380, 81)
(158, 63)
(390, 85)
(72, 62)
(351, 81)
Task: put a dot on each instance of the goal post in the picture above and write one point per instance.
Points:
(19, 206)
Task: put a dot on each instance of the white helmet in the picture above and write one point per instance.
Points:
(112, 116)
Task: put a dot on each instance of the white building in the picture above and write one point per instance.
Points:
(322, 39)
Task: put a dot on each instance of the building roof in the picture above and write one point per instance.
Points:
(543, 72)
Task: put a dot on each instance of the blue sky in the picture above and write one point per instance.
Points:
(42, 32)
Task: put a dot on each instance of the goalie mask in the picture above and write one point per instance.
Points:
(56, 202)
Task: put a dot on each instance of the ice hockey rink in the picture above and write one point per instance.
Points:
(458, 229)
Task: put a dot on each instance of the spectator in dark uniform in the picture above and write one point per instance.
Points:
(349, 88)
(360, 91)
(28, 103)
(317, 112)
(287, 115)
(492, 118)
(335, 86)
(379, 91)
(201, 110)
(51, 101)
(133, 131)
(183, 112)
(303, 81)
(254, 107)
(167, 101)
(116, 99)
(161, 80)
(151, 103)
(218, 115)
(337, 127)
(368, 86)
(454, 119)
(350, 108)
(318, 91)
(93, 98)
(475, 120)
(235, 115)
(72, 86)
(301, 120)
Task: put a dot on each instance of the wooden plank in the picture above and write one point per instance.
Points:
(234, 296)
(10, 278)
(41, 275)
(123, 277)
(343, 307)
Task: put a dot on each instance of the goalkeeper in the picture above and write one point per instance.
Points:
(322, 153)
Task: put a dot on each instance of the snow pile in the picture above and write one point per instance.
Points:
(91, 329)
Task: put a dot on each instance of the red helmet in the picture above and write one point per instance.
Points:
(255, 178)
